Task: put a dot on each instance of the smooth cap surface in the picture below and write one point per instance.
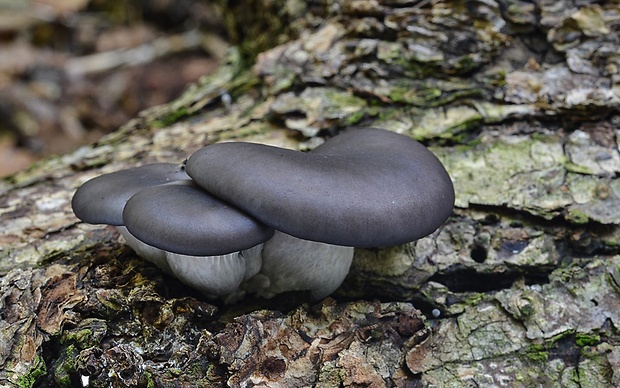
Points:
(101, 200)
(182, 218)
(365, 188)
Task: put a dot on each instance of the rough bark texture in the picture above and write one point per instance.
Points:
(521, 287)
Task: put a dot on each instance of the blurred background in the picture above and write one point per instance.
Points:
(73, 70)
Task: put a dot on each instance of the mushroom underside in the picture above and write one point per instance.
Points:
(284, 263)
(294, 264)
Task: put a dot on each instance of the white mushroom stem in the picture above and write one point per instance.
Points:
(284, 263)
(212, 275)
(293, 264)
(215, 276)
(146, 251)
(253, 258)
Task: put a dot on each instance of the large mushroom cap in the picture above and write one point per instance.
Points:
(364, 188)
(182, 218)
(101, 200)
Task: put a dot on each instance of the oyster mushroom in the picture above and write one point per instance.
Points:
(367, 187)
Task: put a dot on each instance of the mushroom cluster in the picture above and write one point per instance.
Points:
(245, 217)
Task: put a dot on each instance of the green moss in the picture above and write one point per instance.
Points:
(64, 366)
(575, 376)
(387, 114)
(474, 299)
(465, 64)
(560, 336)
(577, 216)
(38, 369)
(577, 168)
(537, 353)
(495, 78)
(540, 352)
(171, 118)
(344, 99)
(77, 336)
(415, 69)
(354, 118)
(409, 94)
(587, 339)
(527, 310)
(89, 333)
(460, 132)
(150, 383)
(431, 94)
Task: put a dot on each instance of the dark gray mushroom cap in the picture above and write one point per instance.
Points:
(364, 188)
(182, 218)
(101, 200)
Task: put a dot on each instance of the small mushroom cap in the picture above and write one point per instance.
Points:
(182, 218)
(364, 188)
(101, 200)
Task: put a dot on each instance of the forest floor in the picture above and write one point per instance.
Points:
(73, 70)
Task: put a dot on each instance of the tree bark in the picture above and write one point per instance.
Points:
(520, 287)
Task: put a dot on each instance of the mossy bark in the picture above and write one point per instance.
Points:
(520, 287)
